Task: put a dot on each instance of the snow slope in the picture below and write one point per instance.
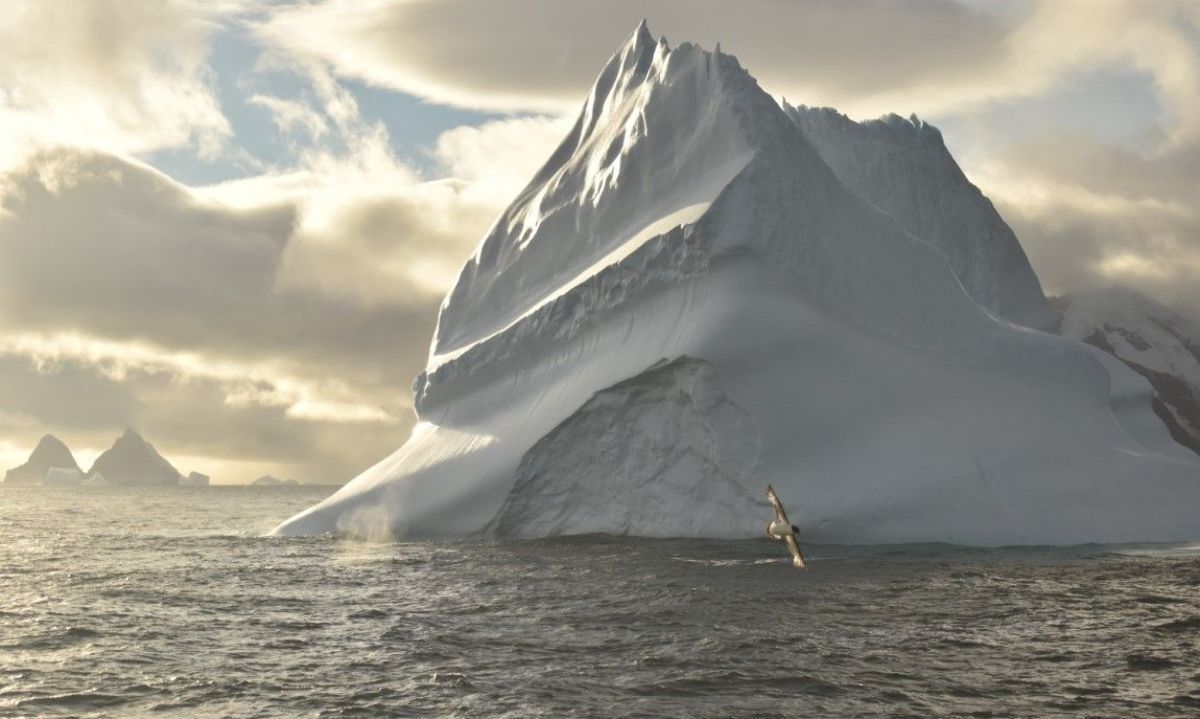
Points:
(688, 219)
(1157, 343)
(49, 453)
(902, 167)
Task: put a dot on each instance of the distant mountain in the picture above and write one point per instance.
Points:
(49, 453)
(134, 461)
(1156, 342)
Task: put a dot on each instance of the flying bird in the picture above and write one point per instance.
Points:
(782, 530)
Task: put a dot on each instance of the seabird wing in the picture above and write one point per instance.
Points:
(777, 505)
(794, 547)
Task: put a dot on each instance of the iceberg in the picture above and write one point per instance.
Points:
(95, 479)
(268, 480)
(703, 292)
(62, 477)
(194, 479)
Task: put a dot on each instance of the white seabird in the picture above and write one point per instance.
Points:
(782, 530)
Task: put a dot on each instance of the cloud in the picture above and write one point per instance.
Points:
(291, 116)
(1061, 38)
(371, 232)
(129, 77)
(112, 273)
(243, 384)
(450, 51)
(866, 57)
(1092, 214)
(276, 319)
(497, 159)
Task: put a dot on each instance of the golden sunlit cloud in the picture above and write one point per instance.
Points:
(125, 77)
(262, 384)
(865, 58)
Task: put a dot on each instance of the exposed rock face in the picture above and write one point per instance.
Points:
(1156, 342)
(134, 461)
(49, 453)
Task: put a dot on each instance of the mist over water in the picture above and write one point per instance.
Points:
(128, 603)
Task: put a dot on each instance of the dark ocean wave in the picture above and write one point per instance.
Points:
(128, 609)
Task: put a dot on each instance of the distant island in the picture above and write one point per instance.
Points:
(270, 481)
(133, 461)
(49, 454)
(130, 462)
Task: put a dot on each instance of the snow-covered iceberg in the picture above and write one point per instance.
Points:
(701, 293)
(195, 479)
(62, 477)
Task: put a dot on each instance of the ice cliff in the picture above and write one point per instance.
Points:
(702, 292)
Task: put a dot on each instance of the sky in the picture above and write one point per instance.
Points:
(229, 224)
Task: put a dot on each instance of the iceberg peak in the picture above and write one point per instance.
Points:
(662, 130)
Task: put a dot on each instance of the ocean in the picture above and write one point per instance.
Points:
(171, 603)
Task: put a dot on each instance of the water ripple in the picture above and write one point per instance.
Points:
(188, 619)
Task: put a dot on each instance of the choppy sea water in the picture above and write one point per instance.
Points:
(170, 603)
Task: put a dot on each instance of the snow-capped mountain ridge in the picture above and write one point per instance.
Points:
(1159, 344)
(688, 216)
